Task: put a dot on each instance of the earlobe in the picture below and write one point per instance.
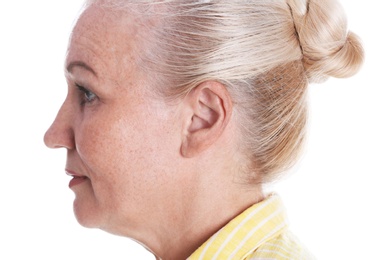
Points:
(211, 107)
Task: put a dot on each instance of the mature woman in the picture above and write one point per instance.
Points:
(179, 111)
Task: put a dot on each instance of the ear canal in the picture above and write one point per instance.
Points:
(211, 108)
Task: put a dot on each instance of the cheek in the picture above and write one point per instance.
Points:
(106, 147)
(130, 159)
(123, 157)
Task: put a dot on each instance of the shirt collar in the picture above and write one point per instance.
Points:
(245, 233)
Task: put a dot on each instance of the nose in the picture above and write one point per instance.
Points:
(61, 134)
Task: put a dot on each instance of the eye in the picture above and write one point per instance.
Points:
(87, 96)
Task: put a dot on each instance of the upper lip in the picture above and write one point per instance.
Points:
(73, 174)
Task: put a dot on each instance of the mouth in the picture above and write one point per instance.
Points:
(77, 178)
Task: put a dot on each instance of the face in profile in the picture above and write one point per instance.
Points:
(120, 141)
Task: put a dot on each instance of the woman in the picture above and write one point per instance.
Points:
(178, 112)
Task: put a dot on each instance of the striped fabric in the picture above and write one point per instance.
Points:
(260, 232)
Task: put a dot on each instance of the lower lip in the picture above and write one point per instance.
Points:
(76, 181)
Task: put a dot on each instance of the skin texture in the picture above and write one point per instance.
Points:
(164, 175)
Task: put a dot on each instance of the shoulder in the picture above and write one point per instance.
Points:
(284, 246)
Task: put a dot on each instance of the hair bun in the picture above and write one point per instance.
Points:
(329, 50)
(341, 64)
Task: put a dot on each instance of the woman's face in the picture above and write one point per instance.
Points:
(122, 144)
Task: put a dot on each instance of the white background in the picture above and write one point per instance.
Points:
(337, 199)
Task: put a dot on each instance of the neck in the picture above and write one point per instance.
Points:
(201, 218)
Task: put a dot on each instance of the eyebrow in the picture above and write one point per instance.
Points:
(80, 64)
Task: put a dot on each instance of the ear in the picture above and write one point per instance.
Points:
(210, 110)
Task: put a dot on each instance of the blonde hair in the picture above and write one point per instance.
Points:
(264, 51)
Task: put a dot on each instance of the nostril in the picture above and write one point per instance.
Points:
(59, 136)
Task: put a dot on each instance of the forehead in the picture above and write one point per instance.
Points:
(105, 39)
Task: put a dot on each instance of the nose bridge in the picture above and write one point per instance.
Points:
(61, 133)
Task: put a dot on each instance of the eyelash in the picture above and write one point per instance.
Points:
(86, 95)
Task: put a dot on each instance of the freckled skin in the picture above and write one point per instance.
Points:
(128, 143)
(122, 141)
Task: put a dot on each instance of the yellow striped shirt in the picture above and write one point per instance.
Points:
(260, 232)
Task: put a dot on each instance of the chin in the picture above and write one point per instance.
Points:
(87, 215)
